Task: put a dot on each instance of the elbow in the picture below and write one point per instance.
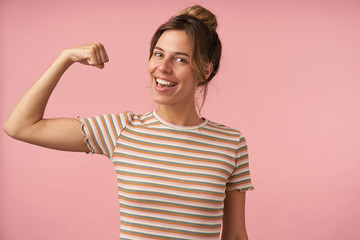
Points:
(11, 130)
(18, 129)
(8, 129)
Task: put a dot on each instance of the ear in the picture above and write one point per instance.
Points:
(208, 71)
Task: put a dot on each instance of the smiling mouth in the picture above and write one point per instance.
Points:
(164, 83)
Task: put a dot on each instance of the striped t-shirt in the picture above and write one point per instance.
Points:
(171, 179)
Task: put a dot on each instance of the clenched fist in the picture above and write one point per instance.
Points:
(93, 54)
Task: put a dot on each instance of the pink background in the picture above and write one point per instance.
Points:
(289, 80)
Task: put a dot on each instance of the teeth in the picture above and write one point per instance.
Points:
(164, 82)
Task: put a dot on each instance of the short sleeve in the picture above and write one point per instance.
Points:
(102, 132)
(240, 178)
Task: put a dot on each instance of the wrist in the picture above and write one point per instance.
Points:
(65, 58)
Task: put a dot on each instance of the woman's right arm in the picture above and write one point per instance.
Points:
(27, 123)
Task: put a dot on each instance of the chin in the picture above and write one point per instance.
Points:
(160, 100)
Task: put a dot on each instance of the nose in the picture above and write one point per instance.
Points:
(165, 65)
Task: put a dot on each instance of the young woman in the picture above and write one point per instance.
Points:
(179, 176)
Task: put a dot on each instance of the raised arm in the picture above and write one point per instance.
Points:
(26, 122)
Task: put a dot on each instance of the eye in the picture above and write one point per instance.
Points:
(157, 54)
(181, 60)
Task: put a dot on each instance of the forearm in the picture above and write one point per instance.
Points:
(31, 107)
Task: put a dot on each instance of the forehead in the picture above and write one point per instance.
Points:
(175, 41)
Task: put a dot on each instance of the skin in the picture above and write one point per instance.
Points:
(170, 61)
(27, 123)
(234, 216)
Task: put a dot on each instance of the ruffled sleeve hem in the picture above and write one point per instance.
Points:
(86, 140)
(241, 189)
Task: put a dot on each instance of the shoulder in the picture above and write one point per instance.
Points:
(223, 129)
(139, 119)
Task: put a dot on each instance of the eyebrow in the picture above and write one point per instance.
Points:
(177, 53)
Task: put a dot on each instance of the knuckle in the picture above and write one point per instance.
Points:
(92, 51)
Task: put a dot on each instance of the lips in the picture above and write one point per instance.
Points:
(163, 86)
(164, 83)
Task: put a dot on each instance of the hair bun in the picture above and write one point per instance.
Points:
(202, 14)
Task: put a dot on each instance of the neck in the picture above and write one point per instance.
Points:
(179, 116)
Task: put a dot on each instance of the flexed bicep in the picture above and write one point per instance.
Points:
(27, 123)
(59, 133)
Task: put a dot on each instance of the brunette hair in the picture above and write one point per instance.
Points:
(200, 25)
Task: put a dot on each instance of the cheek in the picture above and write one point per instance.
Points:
(151, 66)
(192, 80)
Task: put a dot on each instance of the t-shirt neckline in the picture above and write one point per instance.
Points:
(178, 126)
